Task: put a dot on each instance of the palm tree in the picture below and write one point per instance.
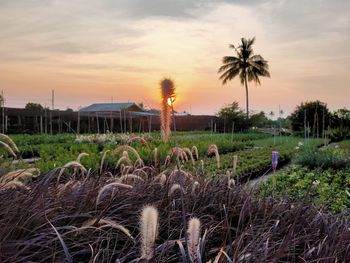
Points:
(246, 65)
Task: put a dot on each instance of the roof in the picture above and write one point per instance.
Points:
(120, 106)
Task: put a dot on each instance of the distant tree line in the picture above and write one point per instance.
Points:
(311, 119)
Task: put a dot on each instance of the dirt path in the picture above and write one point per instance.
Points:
(262, 179)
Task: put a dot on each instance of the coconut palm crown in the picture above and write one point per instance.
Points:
(246, 65)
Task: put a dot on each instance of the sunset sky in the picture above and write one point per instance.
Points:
(92, 50)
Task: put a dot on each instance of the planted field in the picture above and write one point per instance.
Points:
(126, 198)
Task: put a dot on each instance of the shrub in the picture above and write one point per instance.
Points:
(324, 158)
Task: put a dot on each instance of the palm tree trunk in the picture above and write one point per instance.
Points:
(247, 96)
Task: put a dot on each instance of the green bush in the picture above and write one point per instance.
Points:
(326, 189)
(324, 158)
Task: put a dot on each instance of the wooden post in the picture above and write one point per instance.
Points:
(97, 122)
(233, 129)
(78, 122)
(41, 123)
(121, 121)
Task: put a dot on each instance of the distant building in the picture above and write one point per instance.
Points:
(128, 108)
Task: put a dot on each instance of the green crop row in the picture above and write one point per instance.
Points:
(327, 189)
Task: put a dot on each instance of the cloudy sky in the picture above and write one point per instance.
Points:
(92, 50)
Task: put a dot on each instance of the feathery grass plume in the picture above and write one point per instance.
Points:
(105, 222)
(81, 156)
(213, 149)
(167, 91)
(195, 151)
(108, 187)
(139, 172)
(61, 188)
(174, 188)
(126, 177)
(156, 157)
(123, 159)
(202, 166)
(231, 183)
(127, 148)
(11, 143)
(19, 173)
(8, 149)
(167, 160)
(189, 153)
(103, 160)
(161, 178)
(13, 185)
(72, 164)
(138, 139)
(194, 187)
(193, 234)
(125, 154)
(149, 231)
(139, 163)
(234, 164)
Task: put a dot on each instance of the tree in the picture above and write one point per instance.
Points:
(246, 65)
(258, 120)
(233, 116)
(341, 118)
(34, 106)
(311, 114)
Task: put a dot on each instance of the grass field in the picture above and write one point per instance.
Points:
(131, 198)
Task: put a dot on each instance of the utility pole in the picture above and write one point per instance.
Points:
(52, 108)
(78, 124)
(2, 102)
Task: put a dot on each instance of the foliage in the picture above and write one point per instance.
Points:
(326, 189)
(246, 65)
(233, 116)
(339, 134)
(49, 222)
(324, 158)
(315, 112)
(34, 106)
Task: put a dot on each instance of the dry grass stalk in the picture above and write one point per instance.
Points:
(105, 222)
(127, 177)
(81, 156)
(188, 152)
(213, 149)
(138, 139)
(124, 159)
(103, 160)
(194, 187)
(149, 231)
(13, 185)
(108, 187)
(234, 164)
(73, 164)
(11, 143)
(139, 163)
(8, 149)
(167, 160)
(174, 188)
(127, 148)
(231, 183)
(195, 151)
(193, 234)
(156, 157)
(161, 178)
(18, 173)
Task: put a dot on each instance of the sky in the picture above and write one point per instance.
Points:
(92, 51)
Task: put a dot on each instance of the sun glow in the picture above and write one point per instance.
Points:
(171, 101)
